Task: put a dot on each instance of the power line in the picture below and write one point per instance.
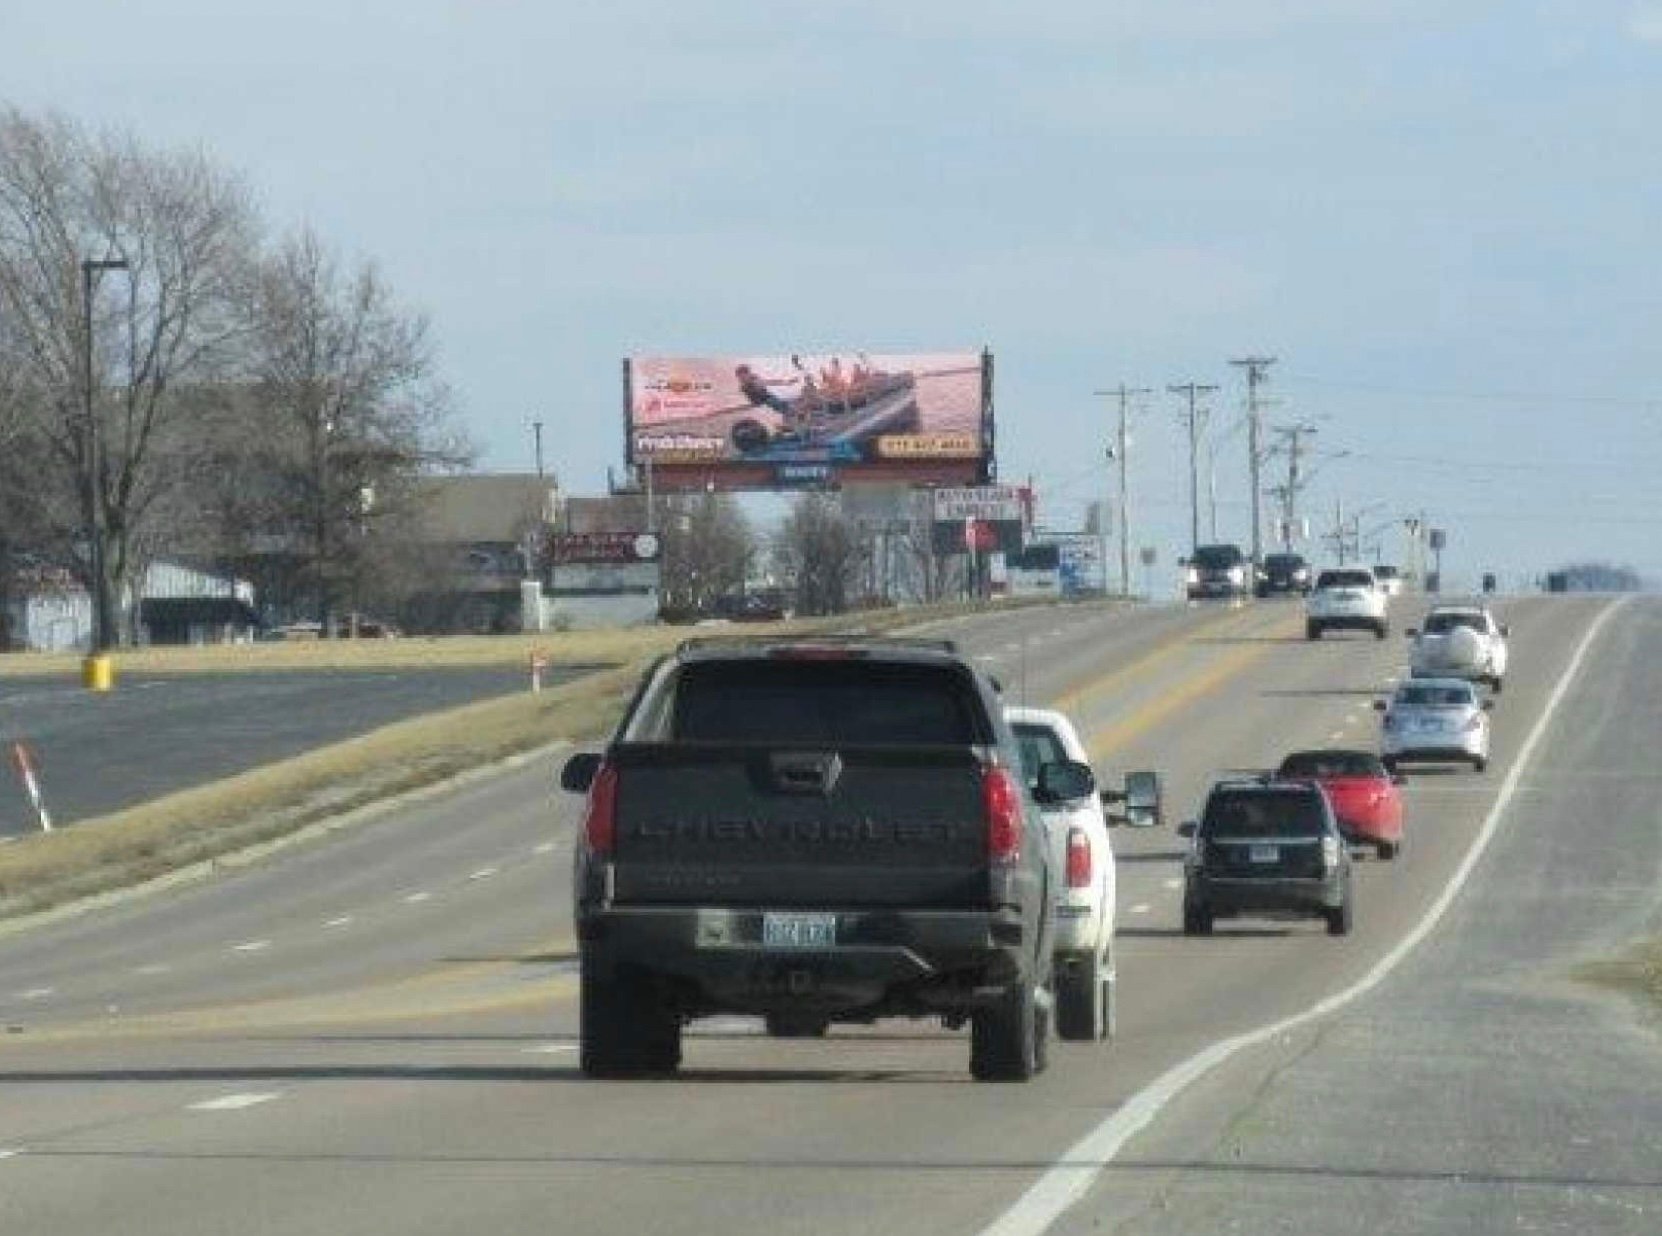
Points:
(1499, 396)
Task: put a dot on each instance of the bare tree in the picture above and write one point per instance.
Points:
(817, 548)
(182, 231)
(350, 412)
(708, 547)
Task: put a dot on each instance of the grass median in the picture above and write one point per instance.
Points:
(148, 841)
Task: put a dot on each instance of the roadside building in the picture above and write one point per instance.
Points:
(48, 610)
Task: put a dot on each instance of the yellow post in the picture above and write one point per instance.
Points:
(98, 672)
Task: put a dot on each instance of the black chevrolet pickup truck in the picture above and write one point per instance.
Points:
(814, 832)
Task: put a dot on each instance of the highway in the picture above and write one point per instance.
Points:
(377, 1033)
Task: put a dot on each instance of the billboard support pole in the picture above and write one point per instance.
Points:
(989, 460)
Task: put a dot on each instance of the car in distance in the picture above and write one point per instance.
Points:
(1217, 571)
(1346, 598)
(1083, 855)
(1283, 573)
(1269, 848)
(1390, 579)
(813, 831)
(1434, 720)
(1461, 641)
(1363, 792)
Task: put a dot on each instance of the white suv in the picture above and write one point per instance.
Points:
(1346, 597)
(1460, 641)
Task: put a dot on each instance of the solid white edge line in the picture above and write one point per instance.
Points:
(1073, 1175)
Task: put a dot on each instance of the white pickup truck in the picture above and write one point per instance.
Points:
(1346, 597)
(1460, 641)
(1083, 856)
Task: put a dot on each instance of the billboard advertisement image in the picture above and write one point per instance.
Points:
(779, 422)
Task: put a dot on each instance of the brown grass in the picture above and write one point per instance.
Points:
(190, 826)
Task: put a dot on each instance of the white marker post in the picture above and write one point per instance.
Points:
(539, 664)
(23, 761)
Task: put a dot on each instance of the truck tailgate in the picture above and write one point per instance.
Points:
(750, 825)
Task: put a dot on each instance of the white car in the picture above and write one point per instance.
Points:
(1439, 720)
(1460, 641)
(1346, 598)
(1083, 856)
(1390, 579)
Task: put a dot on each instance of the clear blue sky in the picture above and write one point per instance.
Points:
(1444, 218)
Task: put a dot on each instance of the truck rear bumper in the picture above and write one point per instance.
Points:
(883, 961)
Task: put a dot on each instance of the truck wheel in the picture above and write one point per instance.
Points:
(1388, 850)
(1382, 630)
(796, 1026)
(1197, 919)
(1312, 630)
(1340, 919)
(1084, 1002)
(626, 1032)
(1004, 1039)
(1498, 683)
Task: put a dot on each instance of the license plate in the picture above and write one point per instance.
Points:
(799, 930)
(1264, 854)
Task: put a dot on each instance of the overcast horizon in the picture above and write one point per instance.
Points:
(1443, 224)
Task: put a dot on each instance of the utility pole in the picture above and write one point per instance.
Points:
(1122, 443)
(1192, 390)
(536, 435)
(1255, 367)
(1293, 436)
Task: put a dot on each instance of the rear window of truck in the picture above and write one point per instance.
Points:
(832, 703)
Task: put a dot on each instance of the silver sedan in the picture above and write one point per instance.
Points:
(1435, 720)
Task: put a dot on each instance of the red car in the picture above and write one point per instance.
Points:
(1364, 795)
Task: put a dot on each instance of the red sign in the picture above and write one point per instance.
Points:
(604, 547)
(980, 535)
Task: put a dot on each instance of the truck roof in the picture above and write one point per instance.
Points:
(819, 648)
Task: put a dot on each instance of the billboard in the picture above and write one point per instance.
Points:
(806, 421)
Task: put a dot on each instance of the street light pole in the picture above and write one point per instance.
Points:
(1118, 453)
(101, 615)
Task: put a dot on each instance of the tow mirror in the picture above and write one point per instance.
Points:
(579, 772)
(1399, 778)
(1144, 799)
(1380, 706)
(1412, 633)
(1488, 705)
(997, 685)
(1505, 630)
(1065, 781)
(1186, 829)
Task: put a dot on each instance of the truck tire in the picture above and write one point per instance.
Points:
(1084, 1002)
(796, 1026)
(1312, 630)
(626, 1032)
(1006, 1039)
(1340, 918)
(1381, 630)
(1197, 919)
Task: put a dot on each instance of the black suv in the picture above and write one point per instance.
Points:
(1218, 571)
(1266, 847)
(1287, 573)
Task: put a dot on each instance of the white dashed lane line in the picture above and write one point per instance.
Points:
(251, 946)
(231, 1102)
(484, 873)
(547, 847)
(1174, 884)
(550, 1049)
(1141, 909)
(153, 968)
(9, 1154)
(344, 920)
(37, 993)
(416, 898)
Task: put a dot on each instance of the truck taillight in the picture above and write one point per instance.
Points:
(1079, 859)
(600, 822)
(1001, 799)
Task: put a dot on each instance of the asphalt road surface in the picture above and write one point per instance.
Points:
(377, 1034)
(153, 735)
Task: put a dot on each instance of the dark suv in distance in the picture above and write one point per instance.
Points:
(1284, 573)
(1266, 848)
(1218, 571)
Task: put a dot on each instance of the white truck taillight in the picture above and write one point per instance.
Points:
(1079, 858)
(1001, 803)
